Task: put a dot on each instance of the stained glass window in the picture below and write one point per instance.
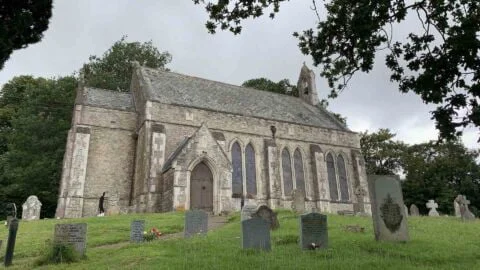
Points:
(287, 173)
(237, 176)
(332, 179)
(299, 174)
(342, 177)
(250, 173)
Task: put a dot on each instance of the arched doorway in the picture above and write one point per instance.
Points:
(201, 188)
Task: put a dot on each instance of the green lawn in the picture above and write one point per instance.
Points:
(436, 243)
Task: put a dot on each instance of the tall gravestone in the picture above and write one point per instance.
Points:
(12, 238)
(313, 231)
(414, 212)
(256, 234)
(388, 212)
(31, 208)
(268, 215)
(432, 205)
(298, 204)
(74, 235)
(464, 211)
(247, 211)
(456, 206)
(136, 231)
(196, 223)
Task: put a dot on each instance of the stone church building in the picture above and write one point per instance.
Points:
(177, 142)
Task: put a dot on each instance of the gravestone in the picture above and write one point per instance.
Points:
(31, 208)
(11, 210)
(72, 234)
(464, 211)
(298, 204)
(406, 210)
(388, 211)
(268, 215)
(359, 206)
(414, 212)
(456, 206)
(313, 231)
(12, 237)
(432, 205)
(137, 228)
(196, 223)
(247, 211)
(255, 234)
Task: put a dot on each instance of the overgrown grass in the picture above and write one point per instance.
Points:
(436, 243)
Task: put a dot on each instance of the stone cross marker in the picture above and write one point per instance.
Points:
(72, 234)
(414, 212)
(196, 222)
(136, 231)
(313, 231)
(298, 204)
(255, 234)
(388, 211)
(268, 215)
(31, 208)
(432, 205)
(464, 211)
(456, 206)
(247, 211)
(12, 237)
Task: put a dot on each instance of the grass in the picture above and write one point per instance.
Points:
(436, 243)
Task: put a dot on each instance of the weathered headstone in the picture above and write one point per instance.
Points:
(432, 205)
(255, 234)
(298, 204)
(247, 211)
(313, 231)
(388, 211)
(359, 206)
(464, 211)
(72, 234)
(31, 208)
(456, 206)
(268, 215)
(196, 223)
(414, 212)
(406, 210)
(12, 237)
(136, 231)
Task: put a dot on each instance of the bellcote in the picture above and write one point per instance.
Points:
(307, 89)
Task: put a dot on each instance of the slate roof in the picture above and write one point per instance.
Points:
(107, 99)
(178, 89)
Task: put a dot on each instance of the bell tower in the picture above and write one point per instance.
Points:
(307, 89)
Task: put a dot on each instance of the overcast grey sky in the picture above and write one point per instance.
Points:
(266, 48)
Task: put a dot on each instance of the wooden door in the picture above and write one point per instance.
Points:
(201, 188)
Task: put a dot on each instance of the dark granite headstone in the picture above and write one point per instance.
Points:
(414, 212)
(268, 215)
(388, 211)
(136, 231)
(313, 231)
(12, 237)
(196, 223)
(72, 234)
(255, 234)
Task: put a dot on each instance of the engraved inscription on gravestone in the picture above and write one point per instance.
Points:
(136, 231)
(196, 223)
(72, 234)
(391, 214)
(313, 231)
(255, 234)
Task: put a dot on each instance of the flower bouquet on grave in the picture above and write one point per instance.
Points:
(153, 234)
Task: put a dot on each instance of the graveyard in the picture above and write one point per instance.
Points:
(435, 243)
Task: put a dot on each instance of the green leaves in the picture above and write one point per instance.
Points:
(382, 154)
(281, 87)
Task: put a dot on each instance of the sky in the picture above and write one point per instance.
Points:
(265, 48)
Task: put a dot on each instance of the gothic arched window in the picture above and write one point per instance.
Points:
(342, 178)
(237, 176)
(250, 171)
(332, 179)
(299, 174)
(287, 173)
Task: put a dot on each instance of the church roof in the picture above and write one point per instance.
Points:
(183, 90)
(107, 99)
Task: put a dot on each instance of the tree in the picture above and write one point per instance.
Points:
(113, 70)
(382, 154)
(23, 23)
(441, 171)
(440, 59)
(281, 87)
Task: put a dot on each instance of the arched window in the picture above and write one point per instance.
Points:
(237, 176)
(287, 173)
(332, 179)
(342, 177)
(298, 166)
(251, 172)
